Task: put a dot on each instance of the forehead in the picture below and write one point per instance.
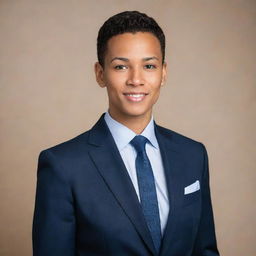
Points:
(139, 44)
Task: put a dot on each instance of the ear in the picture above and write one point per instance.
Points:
(99, 74)
(164, 73)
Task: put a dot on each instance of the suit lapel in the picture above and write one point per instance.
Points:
(108, 161)
(173, 166)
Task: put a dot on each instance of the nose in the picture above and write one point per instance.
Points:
(135, 77)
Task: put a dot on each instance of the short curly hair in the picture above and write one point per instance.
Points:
(131, 22)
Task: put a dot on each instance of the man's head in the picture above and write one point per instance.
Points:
(131, 65)
(124, 22)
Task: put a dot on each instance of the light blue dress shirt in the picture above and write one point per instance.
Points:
(122, 136)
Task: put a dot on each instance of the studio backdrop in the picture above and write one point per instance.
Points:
(48, 94)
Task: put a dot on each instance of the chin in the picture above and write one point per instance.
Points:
(136, 113)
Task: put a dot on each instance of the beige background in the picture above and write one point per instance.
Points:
(49, 94)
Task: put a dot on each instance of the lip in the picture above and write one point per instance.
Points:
(135, 97)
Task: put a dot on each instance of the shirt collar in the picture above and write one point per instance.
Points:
(123, 135)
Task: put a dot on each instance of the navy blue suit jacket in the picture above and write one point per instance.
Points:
(86, 204)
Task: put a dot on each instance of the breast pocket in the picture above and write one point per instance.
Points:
(192, 198)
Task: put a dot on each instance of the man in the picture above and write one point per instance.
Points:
(127, 186)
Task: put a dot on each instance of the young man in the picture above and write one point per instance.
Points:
(127, 187)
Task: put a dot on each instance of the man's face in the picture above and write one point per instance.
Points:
(133, 74)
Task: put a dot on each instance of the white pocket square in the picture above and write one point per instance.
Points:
(192, 188)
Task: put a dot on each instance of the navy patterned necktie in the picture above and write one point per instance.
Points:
(147, 189)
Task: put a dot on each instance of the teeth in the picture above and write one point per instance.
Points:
(136, 95)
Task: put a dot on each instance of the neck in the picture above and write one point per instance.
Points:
(135, 123)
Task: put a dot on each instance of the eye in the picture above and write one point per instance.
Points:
(150, 66)
(120, 67)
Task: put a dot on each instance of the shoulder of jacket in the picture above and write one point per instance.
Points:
(70, 147)
(181, 139)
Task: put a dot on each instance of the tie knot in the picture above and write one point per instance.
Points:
(139, 143)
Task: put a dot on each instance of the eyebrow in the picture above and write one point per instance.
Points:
(120, 58)
(150, 58)
(127, 60)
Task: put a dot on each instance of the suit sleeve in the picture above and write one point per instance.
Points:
(205, 244)
(54, 220)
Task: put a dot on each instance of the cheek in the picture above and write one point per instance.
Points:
(156, 92)
(156, 84)
(155, 78)
(156, 95)
(114, 82)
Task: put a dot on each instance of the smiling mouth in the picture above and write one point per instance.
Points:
(135, 97)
